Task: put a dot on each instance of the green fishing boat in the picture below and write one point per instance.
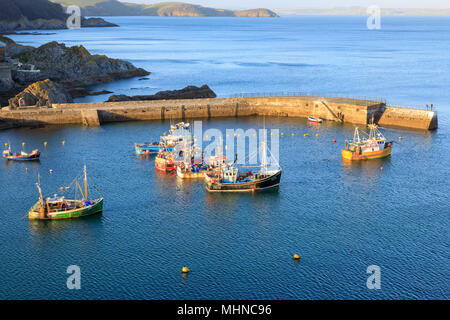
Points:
(60, 207)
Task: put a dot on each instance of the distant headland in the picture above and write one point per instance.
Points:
(363, 11)
(166, 9)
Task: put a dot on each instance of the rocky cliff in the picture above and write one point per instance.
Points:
(189, 92)
(76, 66)
(72, 67)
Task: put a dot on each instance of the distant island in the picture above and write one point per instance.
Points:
(166, 9)
(363, 11)
(39, 14)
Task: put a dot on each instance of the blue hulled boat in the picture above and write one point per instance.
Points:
(150, 148)
(21, 156)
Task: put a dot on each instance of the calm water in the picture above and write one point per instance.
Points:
(240, 246)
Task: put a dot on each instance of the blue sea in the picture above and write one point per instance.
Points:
(340, 218)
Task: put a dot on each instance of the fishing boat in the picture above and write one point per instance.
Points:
(175, 136)
(151, 147)
(374, 146)
(59, 207)
(21, 156)
(164, 161)
(229, 178)
(314, 120)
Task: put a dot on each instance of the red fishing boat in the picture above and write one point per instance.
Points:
(164, 161)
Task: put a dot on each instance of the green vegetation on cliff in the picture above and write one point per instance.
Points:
(181, 9)
(39, 14)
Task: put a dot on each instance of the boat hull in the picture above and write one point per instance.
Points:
(150, 149)
(314, 120)
(96, 207)
(271, 182)
(353, 156)
(190, 175)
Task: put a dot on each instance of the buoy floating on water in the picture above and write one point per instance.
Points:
(51, 171)
(45, 143)
(306, 134)
(282, 134)
(317, 134)
(296, 256)
(293, 134)
(334, 140)
(6, 145)
(64, 142)
(26, 169)
(351, 250)
(23, 144)
(400, 138)
(185, 270)
(381, 169)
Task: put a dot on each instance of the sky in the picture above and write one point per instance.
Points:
(290, 4)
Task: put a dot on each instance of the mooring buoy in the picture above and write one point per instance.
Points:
(185, 270)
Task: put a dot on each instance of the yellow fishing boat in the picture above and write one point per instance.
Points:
(375, 146)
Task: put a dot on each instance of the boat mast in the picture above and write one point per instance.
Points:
(85, 185)
(41, 200)
(264, 159)
(356, 136)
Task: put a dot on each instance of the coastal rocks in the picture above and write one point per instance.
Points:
(73, 67)
(76, 67)
(96, 23)
(79, 92)
(14, 48)
(189, 92)
(40, 94)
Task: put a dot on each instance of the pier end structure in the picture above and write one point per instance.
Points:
(334, 109)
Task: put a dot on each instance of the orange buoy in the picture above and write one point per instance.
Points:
(381, 168)
(296, 256)
(351, 250)
(334, 140)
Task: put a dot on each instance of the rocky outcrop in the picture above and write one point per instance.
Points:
(189, 92)
(76, 67)
(14, 48)
(96, 23)
(40, 94)
(73, 67)
(39, 15)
